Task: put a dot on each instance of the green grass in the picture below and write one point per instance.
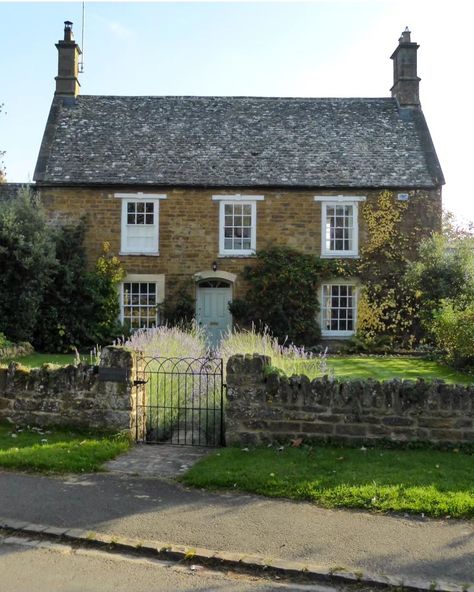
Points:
(36, 360)
(386, 368)
(427, 481)
(57, 450)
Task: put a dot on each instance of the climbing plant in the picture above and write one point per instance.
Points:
(283, 294)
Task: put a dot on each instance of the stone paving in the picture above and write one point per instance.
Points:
(160, 460)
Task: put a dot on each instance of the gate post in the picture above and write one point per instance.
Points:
(138, 399)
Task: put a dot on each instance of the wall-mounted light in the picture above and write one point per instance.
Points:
(214, 266)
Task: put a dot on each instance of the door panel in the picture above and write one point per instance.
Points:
(212, 312)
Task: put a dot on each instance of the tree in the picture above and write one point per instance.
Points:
(27, 261)
(2, 154)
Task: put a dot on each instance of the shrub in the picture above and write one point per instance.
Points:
(179, 311)
(283, 295)
(47, 296)
(453, 329)
(443, 271)
(290, 359)
(168, 342)
(27, 261)
(103, 302)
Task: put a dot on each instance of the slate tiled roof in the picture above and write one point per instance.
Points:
(236, 141)
(10, 190)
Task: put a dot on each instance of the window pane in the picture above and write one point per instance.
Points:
(130, 218)
(149, 207)
(130, 207)
(237, 226)
(338, 308)
(149, 218)
(141, 310)
(140, 207)
(140, 219)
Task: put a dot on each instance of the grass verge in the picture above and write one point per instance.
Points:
(57, 450)
(435, 483)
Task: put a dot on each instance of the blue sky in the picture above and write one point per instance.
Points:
(229, 48)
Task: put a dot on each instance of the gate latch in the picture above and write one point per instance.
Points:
(139, 382)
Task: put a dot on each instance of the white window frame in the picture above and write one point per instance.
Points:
(250, 200)
(138, 197)
(355, 289)
(334, 201)
(157, 279)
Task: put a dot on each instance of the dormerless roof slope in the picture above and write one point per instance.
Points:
(236, 141)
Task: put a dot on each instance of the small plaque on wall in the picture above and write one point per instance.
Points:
(113, 374)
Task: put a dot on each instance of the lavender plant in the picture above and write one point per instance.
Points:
(289, 358)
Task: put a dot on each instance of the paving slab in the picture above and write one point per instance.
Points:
(157, 460)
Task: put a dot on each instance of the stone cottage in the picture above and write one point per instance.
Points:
(186, 188)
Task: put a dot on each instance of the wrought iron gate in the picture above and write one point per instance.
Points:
(180, 401)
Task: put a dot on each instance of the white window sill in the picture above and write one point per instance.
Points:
(126, 253)
(341, 255)
(237, 254)
(337, 334)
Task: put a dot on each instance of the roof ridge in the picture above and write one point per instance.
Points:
(195, 97)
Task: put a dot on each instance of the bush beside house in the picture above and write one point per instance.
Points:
(47, 295)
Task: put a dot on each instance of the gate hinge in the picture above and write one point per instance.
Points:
(138, 382)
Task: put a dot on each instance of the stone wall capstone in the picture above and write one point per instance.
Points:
(71, 395)
(263, 407)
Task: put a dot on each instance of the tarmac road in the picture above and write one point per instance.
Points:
(153, 509)
(45, 567)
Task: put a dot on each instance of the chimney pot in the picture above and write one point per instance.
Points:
(68, 36)
(405, 38)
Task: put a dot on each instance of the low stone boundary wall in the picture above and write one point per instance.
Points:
(263, 407)
(83, 396)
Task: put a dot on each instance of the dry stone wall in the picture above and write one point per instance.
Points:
(81, 396)
(263, 407)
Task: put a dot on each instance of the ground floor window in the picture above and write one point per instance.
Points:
(338, 310)
(140, 297)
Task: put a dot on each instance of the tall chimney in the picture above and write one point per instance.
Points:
(405, 80)
(67, 84)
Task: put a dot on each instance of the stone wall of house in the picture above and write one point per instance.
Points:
(189, 225)
(263, 407)
(83, 396)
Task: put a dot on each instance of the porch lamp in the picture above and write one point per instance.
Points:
(214, 266)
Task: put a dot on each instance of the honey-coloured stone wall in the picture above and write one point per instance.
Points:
(189, 225)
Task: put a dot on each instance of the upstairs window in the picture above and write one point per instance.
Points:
(140, 223)
(237, 224)
(339, 226)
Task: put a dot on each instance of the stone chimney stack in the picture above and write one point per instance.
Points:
(67, 84)
(405, 80)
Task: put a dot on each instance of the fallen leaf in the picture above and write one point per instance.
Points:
(296, 443)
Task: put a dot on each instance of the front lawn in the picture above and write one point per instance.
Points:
(432, 482)
(388, 367)
(36, 360)
(57, 450)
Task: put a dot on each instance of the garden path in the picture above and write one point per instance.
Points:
(160, 460)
